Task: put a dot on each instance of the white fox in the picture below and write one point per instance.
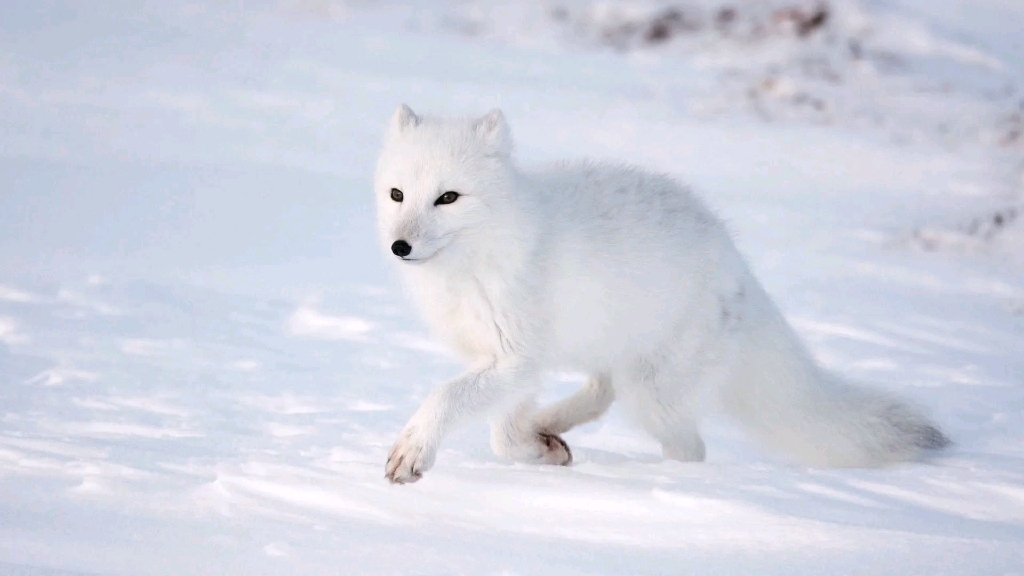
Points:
(610, 270)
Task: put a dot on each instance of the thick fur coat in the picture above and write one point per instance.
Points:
(614, 271)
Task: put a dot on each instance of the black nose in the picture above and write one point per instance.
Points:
(401, 248)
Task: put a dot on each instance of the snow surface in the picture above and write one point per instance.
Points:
(204, 359)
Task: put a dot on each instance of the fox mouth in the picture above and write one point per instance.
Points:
(421, 260)
(416, 260)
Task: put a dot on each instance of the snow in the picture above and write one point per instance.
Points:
(204, 357)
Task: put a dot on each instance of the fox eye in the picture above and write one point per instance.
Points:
(397, 195)
(446, 198)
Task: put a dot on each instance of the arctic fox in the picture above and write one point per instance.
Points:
(614, 271)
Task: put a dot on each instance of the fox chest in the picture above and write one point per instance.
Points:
(462, 315)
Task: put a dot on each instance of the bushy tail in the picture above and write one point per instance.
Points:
(794, 407)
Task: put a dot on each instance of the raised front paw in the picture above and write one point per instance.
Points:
(409, 459)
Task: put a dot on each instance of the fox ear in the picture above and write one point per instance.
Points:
(404, 119)
(493, 130)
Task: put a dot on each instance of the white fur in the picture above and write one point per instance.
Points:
(610, 270)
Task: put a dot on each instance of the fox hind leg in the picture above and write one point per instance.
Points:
(658, 398)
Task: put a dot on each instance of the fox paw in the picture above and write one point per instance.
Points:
(409, 459)
(554, 450)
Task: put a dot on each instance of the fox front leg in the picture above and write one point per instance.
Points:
(472, 394)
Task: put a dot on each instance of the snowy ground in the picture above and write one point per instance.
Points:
(203, 358)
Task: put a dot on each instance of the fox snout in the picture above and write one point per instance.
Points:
(401, 248)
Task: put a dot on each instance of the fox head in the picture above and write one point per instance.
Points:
(441, 184)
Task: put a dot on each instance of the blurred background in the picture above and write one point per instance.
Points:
(204, 357)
